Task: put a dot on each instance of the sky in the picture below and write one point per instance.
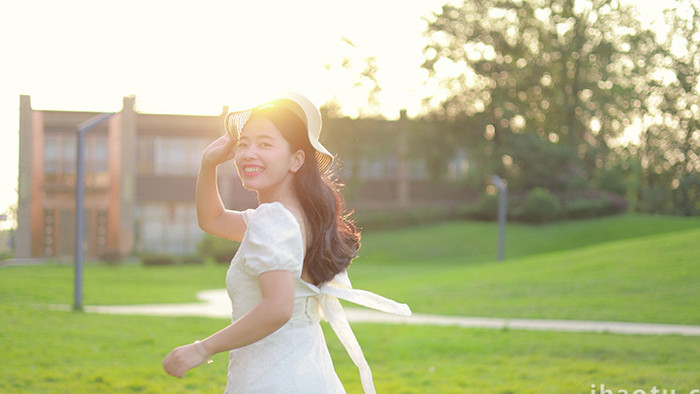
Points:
(196, 57)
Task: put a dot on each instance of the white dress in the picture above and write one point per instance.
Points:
(295, 358)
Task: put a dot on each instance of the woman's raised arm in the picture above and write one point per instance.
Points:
(212, 216)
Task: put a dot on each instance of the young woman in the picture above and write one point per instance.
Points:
(291, 264)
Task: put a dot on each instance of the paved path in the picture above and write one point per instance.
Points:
(215, 303)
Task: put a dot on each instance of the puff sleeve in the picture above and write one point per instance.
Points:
(273, 241)
(246, 215)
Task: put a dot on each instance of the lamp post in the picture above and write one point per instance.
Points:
(79, 214)
(502, 210)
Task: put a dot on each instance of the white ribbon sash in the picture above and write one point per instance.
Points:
(340, 287)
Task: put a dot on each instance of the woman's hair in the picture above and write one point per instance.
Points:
(335, 239)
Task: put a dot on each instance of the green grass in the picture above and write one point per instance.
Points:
(650, 279)
(626, 268)
(109, 285)
(634, 268)
(476, 242)
(55, 352)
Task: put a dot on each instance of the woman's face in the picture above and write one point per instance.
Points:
(264, 159)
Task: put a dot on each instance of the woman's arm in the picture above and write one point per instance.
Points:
(212, 216)
(272, 312)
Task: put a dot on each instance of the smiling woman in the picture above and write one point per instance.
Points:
(292, 260)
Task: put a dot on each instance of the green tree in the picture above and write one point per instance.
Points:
(547, 85)
(670, 152)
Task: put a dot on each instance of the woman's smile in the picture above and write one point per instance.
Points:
(252, 170)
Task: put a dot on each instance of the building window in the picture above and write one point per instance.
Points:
(168, 228)
(417, 170)
(377, 168)
(51, 149)
(60, 155)
(144, 155)
(96, 160)
(68, 155)
(59, 158)
(174, 156)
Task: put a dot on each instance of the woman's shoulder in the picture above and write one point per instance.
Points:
(272, 213)
(272, 241)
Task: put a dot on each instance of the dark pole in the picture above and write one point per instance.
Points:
(79, 214)
(79, 189)
(502, 210)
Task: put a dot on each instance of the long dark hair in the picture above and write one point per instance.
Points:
(335, 239)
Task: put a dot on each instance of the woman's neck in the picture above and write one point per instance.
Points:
(282, 191)
(286, 195)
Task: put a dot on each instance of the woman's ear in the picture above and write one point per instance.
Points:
(298, 158)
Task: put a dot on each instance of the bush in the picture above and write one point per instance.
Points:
(592, 203)
(613, 180)
(192, 259)
(219, 249)
(486, 208)
(539, 206)
(383, 219)
(654, 199)
(154, 259)
(111, 257)
(583, 208)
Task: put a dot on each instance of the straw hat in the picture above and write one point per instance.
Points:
(300, 106)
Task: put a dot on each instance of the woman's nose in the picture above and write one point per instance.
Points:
(249, 152)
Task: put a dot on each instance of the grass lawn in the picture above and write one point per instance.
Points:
(633, 268)
(650, 279)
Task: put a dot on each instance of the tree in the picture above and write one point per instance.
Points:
(358, 72)
(556, 77)
(670, 154)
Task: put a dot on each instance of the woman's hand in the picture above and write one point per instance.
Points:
(182, 359)
(221, 150)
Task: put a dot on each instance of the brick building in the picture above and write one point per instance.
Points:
(140, 175)
(141, 170)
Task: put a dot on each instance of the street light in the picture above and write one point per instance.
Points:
(502, 210)
(79, 214)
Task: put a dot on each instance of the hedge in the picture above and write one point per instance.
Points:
(156, 259)
(219, 249)
(542, 206)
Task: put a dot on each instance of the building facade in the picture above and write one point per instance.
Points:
(141, 171)
(140, 175)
